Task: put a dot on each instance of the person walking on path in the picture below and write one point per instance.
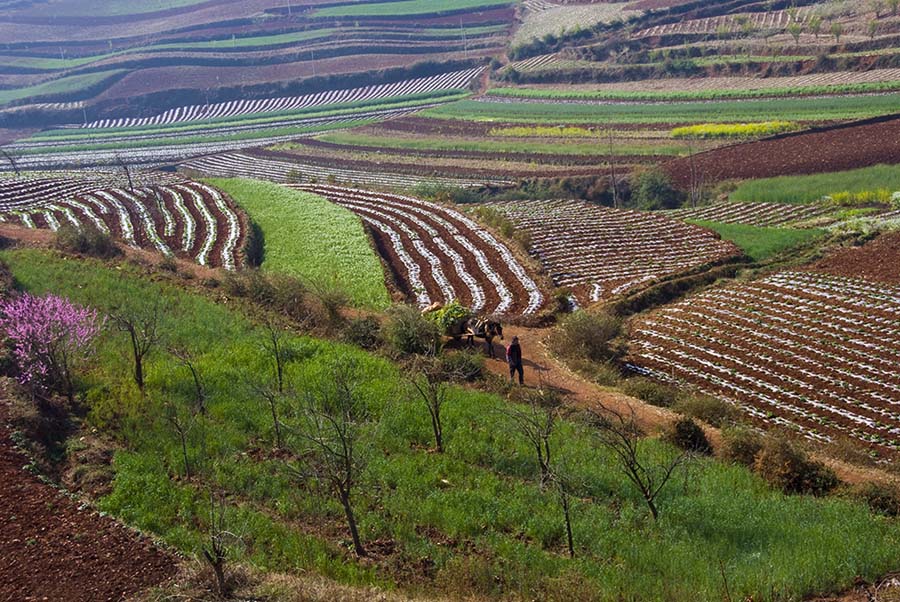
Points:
(514, 359)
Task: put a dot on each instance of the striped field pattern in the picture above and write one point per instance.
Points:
(456, 80)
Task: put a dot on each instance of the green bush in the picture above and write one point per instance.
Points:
(587, 335)
(788, 468)
(86, 240)
(651, 391)
(709, 409)
(465, 366)
(740, 445)
(652, 189)
(363, 332)
(686, 434)
(408, 332)
(880, 497)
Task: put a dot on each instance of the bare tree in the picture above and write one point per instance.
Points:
(563, 486)
(142, 324)
(324, 437)
(536, 421)
(275, 345)
(187, 360)
(431, 381)
(618, 432)
(273, 400)
(697, 180)
(215, 549)
(121, 162)
(183, 424)
(12, 162)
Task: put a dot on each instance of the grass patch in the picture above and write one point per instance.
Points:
(482, 492)
(406, 7)
(788, 109)
(311, 238)
(806, 189)
(761, 243)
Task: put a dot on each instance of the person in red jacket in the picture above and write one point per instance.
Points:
(514, 359)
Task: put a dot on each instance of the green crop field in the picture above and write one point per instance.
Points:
(788, 109)
(806, 189)
(309, 237)
(718, 523)
(761, 243)
(502, 146)
(406, 7)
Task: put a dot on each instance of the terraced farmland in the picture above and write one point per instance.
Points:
(263, 166)
(174, 217)
(126, 64)
(457, 80)
(438, 254)
(752, 214)
(815, 353)
(600, 252)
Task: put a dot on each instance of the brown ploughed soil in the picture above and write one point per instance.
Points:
(835, 149)
(878, 260)
(52, 549)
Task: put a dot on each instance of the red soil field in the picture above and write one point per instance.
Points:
(878, 260)
(835, 148)
(52, 550)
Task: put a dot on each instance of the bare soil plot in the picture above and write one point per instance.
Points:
(51, 548)
(828, 149)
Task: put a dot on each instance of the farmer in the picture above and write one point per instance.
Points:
(514, 359)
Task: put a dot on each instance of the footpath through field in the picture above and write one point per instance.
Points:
(52, 549)
(542, 369)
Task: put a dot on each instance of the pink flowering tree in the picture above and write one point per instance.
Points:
(50, 335)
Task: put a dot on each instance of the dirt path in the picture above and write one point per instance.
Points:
(542, 369)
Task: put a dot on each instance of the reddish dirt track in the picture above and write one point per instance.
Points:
(831, 149)
(50, 550)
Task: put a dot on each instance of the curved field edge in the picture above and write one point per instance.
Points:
(480, 492)
(760, 243)
(788, 109)
(311, 238)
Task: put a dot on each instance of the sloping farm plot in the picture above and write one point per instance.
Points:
(456, 80)
(438, 254)
(824, 150)
(247, 165)
(600, 252)
(174, 217)
(752, 214)
(815, 353)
